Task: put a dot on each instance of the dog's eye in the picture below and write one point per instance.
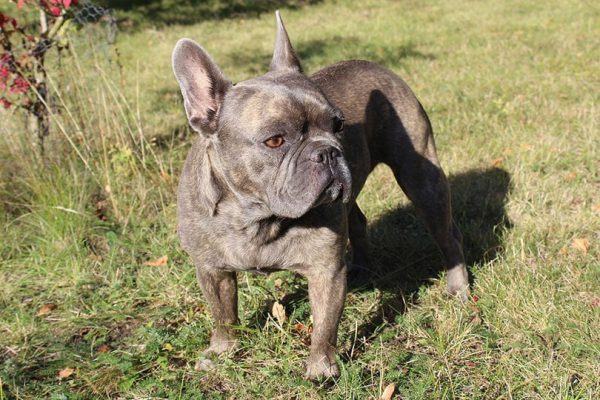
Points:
(338, 124)
(274, 141)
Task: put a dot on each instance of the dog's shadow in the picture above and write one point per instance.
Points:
(404, 257)
(317, 52)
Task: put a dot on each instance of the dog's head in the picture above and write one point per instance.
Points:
(273, 140)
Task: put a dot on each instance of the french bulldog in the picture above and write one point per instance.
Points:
(272, 179)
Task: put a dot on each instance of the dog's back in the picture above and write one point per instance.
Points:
(384, 120)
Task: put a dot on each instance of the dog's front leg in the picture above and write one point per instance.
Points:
(220, 290)
(326, 293)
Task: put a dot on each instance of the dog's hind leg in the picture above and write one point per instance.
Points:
(427, 187)
(414, 162)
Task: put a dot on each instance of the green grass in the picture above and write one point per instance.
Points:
(512, 89)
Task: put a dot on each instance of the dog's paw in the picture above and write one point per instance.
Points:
(321, 367)
(460, 292)
(205, 364)
(220, 346)
(458, 282)
(208, 358)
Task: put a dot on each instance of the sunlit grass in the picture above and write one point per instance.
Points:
(512, 90)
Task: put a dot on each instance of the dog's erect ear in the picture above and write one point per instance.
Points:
(284, 56)
(203, 85)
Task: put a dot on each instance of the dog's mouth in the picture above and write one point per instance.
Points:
(334, 188)
(331, 192)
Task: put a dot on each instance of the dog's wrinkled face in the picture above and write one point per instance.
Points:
(279, 143)
(275, 140)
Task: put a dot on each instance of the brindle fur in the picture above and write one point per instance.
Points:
(245, 207)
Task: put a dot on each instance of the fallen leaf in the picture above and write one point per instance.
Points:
(595, 303)
(388, 392)
(46, 309)
(563, 251)
(302, 329)
(159, 262)
(597, 207)
(165, 175)
(65, 373)
(168, 347)
(571, 175)
(278, 312)
(470, 364)
(526, 146)
(102, 349)
(581, 244)
(95, 258)
(497, 162)
(278, 282)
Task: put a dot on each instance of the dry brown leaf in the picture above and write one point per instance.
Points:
(497, 162)
(300, 328)
(388, 392)
(159, 262)
(581, 244)
(571, 175)
(102, 349)
(46, 309)
(278, 312)
(525, 146)
(65, 373)
(165, 175)
(563, 251)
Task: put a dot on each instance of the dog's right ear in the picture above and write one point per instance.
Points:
(202, 84)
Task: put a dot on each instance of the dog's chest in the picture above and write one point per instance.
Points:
(274, 248)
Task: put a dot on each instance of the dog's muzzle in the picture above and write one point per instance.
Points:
(341, 181)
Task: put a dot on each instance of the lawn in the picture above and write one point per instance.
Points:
(90, 307)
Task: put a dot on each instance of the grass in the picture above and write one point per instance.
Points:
(512, 89)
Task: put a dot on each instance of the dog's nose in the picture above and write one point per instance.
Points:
(325, 155)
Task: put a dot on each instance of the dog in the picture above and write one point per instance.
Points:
(271, 182)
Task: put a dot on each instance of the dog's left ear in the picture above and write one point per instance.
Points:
(284, 56)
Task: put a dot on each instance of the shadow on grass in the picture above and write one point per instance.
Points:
(320, 51)
(405, 257)
(188, 12)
